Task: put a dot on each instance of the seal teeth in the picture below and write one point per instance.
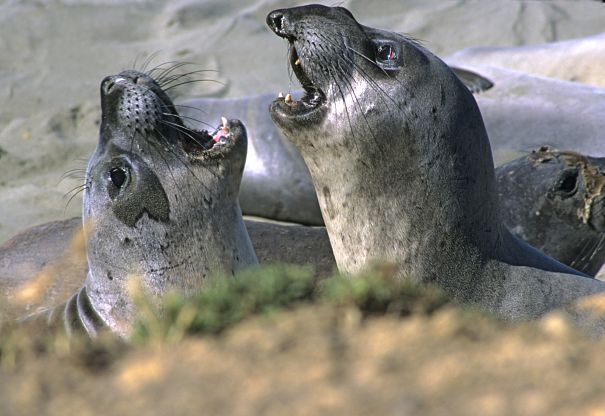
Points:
(297, 62)
(280, 95)
(225, 124)
(288, 99)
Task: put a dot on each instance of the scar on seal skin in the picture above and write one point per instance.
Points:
(554, 199)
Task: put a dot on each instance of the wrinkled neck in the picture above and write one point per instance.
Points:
(423, 194)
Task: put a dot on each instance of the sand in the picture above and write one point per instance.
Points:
(54, 54)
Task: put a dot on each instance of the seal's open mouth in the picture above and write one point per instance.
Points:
(218, 140)
(313, 96)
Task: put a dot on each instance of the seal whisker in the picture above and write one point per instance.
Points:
(194, 119)
(167, 163)
(361, 55)
(589, 253)
(183, 162)
(192, 81)
(183, 129)
(165, 74)
(367, 77)
(174, 65)
(576, 262)
(337, 84)
(176, 77)
(356, 99)
(190, 107)
(78, 173)
(74, 192)
(147, 61)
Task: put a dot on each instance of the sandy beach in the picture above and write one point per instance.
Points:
(54, 54)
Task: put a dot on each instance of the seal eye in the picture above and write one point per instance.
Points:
(386, 54)
(567, 183)
(117, 176)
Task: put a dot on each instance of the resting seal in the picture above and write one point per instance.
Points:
(402, 166)
(160, 204)
(554, 200)
(579, 60)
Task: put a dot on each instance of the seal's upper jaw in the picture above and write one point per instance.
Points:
(135, 108)
(309, 106)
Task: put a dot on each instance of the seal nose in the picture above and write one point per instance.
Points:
(277, 21)
(107, 85)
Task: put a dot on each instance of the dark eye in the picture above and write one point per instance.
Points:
(567, 183)
(118, 176)
(386, 53)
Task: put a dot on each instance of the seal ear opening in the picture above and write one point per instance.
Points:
(473, 81)
(566, 184)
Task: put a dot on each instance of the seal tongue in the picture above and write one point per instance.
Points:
(222, 132)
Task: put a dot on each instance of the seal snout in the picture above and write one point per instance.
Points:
(276, 21)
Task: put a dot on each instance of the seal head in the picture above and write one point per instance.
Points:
(554, 200)
(160, 200)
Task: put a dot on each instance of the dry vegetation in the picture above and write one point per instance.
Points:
(276, 341)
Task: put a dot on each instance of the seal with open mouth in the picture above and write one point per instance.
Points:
(402, 166)
(160, 204)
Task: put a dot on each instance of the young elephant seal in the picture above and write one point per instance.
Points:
(554, 200)
(160, 204)
(402, 166)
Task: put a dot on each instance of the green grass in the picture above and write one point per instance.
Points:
(223, 303)
(268, 289)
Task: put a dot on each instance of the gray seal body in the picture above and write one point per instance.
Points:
(402, 166)
(160, 204)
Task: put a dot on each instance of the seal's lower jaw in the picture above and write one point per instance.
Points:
(217, 143)
(310, 108)
(296, 112)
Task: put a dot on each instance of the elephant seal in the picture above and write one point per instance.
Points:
(402, 166)
(554, 200)
(580, 60)
(523, 112)
(159, 204)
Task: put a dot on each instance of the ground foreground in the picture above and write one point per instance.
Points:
(276, 345)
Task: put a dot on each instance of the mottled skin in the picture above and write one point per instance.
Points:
(160, 204)
(402, 166)
(554, 200)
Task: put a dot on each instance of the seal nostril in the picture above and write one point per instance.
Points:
(275, 20)
(107, 85)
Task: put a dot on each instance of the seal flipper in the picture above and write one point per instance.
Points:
(473, 81)
(516, 252)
